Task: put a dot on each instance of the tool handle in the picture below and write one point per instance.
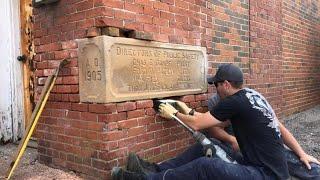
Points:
(209, 150)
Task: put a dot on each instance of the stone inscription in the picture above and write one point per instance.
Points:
(153, 69)
(129, 69)
(92, 71)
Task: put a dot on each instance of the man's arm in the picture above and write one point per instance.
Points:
(220, 134)
(199, 121)
(293, 144)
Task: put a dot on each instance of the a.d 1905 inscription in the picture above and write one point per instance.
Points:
(114, 69)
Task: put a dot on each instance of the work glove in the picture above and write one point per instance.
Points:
(183, 108)
(167, 111)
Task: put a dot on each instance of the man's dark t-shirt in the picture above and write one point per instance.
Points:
(256, 129)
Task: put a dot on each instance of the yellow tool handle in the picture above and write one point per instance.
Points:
(35, 117)
(24, 145)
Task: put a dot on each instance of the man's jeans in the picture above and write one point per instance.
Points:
(191, 164)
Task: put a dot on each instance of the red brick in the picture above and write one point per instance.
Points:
(144, 2)
(127, 142)
(133, 25)
(146, 120)
(84, 5)
(136, 113)
(144, 104)
(42, 65)
(150, 112)
(85, 24)
(77, 16)
(72, 132)
(166, 15)
(175, 39)
(114, 4)
(161, 37)
(93, 32)
(100, 11)
(116, 117)
(74, 97)
(151, 28)
(97, 108)
(89, 135)
(99, 164)
(128, 123)
(136, 8)
(144, 18)
(73, 114)
(74, 88)
(188, 98)
(145, 137)
(166, 30)
(126, 106)
(201, 97)
(70, 80)
(122, 14)
(182, 4)
(87, 116)
(136, 131)
(113, 136)
(107, 21)
(170, 2)
(161, 22)
(154, 127)
(150, 11)
(195, 104)
(69, 45)
(161, 6)
(110, 108)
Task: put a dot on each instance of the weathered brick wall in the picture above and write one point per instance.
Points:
(301, 55)
(266, 72)
(92, 138)
(284, 53)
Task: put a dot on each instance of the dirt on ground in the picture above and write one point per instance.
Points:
(305, 126)
(29, 167)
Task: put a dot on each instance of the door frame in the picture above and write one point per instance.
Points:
(27, 49)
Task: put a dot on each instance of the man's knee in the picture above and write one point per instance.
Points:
(210, 163)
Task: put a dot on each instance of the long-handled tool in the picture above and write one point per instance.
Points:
(210, 149)
(35, 117)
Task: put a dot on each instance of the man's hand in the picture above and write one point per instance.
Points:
(307, 159)
(167, 111)
(234, 144)
(183, 108)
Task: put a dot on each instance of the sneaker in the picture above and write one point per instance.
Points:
(118, 173)
(136, 164)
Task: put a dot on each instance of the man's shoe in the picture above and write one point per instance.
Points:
(136, 164)
(118, 173)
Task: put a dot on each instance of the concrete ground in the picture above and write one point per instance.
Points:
(305, 126)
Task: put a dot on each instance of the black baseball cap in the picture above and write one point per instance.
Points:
(229, 72)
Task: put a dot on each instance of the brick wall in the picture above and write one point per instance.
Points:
(301, 55)
(92, 138)
(284, 53)
(266, 72)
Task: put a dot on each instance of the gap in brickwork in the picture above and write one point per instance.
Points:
(119, 32)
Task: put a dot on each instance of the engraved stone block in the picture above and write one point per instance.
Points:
(114, 69)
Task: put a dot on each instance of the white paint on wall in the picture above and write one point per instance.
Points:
(11, 81)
